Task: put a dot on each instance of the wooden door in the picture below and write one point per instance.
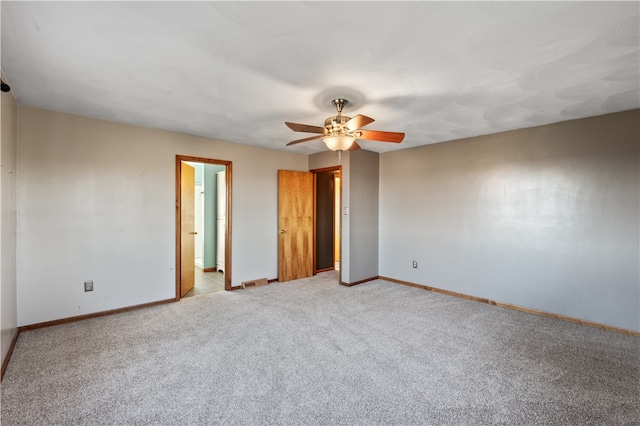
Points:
(187, 228)
(295, 225)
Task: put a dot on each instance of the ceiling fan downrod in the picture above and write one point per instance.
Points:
(339, 104)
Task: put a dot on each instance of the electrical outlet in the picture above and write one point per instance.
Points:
(415, 264)
(88, 285)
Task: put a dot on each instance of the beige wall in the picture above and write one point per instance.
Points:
(8, 145)
(97, 202)
(363, 211)
(545, 217)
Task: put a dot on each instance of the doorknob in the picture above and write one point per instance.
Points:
(193, 233)
(282, 231)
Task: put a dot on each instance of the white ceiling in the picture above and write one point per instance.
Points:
(236, 71)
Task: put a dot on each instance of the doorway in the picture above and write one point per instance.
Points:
(327, 219)
(203, 225)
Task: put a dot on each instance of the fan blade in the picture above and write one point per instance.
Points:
(377, 135)
(296, 127)
(357, 122)
(305, 140)
(355, 146)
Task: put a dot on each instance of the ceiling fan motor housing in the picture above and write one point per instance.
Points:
(335, 125)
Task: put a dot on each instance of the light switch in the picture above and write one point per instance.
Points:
(346, 211)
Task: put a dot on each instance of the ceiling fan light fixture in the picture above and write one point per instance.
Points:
(340, 132)
(339, 142)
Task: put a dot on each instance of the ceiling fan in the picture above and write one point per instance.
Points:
(340, 132)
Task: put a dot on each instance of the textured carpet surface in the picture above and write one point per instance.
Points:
(311, 352)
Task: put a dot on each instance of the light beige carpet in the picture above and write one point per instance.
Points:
(312, 352)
